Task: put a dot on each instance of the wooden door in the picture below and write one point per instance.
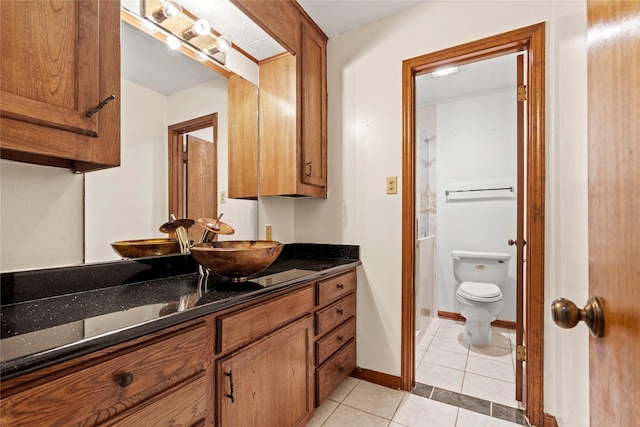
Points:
(614, 208)
(270, 382)
(201, 182)
(521, 213)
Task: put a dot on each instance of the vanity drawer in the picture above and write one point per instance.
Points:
(335, 339)
(246, 325)
(331, 316)
(332, 372)
(96, 393)
(336, 287)
(184, 405)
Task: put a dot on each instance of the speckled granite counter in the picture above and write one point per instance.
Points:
(52, 315)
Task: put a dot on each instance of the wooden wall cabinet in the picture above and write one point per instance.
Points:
(242, 138)
(293, 102)
(60, 60)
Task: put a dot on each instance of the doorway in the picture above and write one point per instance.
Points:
(193, 170)
(531, 41)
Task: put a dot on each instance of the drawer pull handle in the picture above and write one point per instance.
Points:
(230, 375)
(340, 286)
(340, 338)
(340, 311)
(125, 380)
(341, 368)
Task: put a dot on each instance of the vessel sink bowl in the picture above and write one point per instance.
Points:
(146, 247)
(236, 259)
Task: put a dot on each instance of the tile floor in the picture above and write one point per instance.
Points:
(457, 386)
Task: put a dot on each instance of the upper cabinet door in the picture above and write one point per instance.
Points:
(314, 108)
(60, 84)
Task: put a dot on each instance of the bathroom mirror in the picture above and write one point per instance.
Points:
(160, 88)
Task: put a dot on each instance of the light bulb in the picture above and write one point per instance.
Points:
(173, 42)
(168, 10)
(200, 28)
(149, 26)
(171, 9)
(201, 56)
(224, 44)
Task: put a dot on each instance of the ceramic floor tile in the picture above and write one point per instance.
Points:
(439, 376)
(346, 416)
(495, 353)
(500, 338)
(473, 419)
(374, 399)
(451, 333)
(490, 389)
(322, 413)
(491, 368)
(344, 389)
(416, 411)
(455, 345)
(445, 358)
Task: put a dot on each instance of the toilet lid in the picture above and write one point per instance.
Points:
(476, 291)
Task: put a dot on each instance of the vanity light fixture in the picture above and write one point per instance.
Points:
(445, 71)
(182, 29)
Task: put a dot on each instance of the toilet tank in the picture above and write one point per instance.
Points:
(484, 267)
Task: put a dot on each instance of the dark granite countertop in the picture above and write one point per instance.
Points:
(51, 315)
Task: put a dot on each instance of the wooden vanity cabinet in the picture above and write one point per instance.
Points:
(335, 332)
(293, 102)
(60, 61)
(160, 380)
(264, 373)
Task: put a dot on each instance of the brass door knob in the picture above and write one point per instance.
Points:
(567, 315)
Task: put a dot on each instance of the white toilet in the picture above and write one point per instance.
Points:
(479, 276)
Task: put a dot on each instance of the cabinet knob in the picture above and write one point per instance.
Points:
(341, 368)
(340, 286)
(340, 311)
(340, 338)
(125, 380)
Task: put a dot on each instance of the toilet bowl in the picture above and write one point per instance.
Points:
(479, 276)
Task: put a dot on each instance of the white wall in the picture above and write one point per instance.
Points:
(40, 216)
(130, 202)
(477, 148)
(365, 146)
(207, 98)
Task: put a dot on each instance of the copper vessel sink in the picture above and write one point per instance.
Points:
(236, 259)
(146, 247)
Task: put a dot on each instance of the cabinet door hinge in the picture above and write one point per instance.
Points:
(521, 353)
(522, 93)
(185, 156)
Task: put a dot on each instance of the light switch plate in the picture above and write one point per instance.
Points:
(392, 185)
(223, 197)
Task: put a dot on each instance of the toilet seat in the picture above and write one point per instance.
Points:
(481, 292)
